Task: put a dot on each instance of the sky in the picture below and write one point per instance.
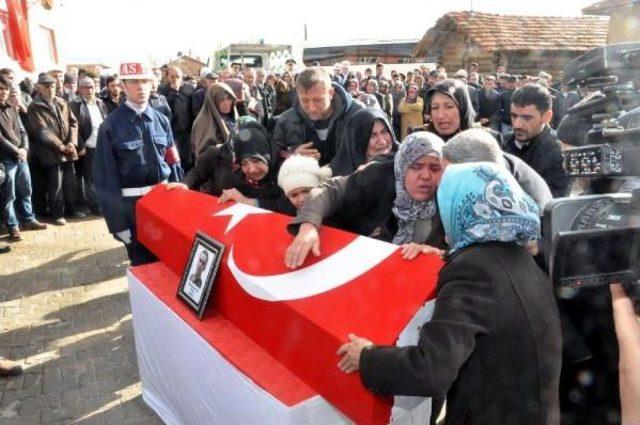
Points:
(113, 30)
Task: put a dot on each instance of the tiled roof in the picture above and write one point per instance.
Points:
(508, 32)
(605, 7)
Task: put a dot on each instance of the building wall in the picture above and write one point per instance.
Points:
(189, 67)
(533, 61)
(624, 25)
(45, 44)
(457, 53)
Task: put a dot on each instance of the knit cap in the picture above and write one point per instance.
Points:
(301, 171)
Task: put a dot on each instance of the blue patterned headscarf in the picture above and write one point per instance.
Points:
(482, 202)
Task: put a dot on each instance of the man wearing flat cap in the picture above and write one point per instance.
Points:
(54, 132)
(70, 88)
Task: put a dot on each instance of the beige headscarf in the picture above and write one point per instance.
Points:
(209, 128)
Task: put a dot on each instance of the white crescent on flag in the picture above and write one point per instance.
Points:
(352, 261)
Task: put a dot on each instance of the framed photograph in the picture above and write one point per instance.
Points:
(200, 272)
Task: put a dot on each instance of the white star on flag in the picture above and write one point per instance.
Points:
(238, 212)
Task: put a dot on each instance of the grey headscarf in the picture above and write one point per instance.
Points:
(406, 209)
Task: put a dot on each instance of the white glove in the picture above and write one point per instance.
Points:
(124, 236)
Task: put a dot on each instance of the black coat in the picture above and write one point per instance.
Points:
(543, 154)
(489, 107)
(81, 112)
(214, 172)
(493, 346)
(361, 203)
(180, 105)
(295, 128)
(13, 135)
(505, 106)
(160, 104)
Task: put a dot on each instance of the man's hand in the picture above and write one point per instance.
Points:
(307, 149)
(484, 121)
(236, 196)
(82, 152)
(63, 148)
(350, 352)
(307, 240)
(22, 155)
(412, 250)
(176, 185)
(124, 236)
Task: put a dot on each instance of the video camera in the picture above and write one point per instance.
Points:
(594, 239)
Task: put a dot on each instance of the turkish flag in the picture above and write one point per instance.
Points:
(19, 30)
(300, 317)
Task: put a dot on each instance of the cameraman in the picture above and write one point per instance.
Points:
(627, 325)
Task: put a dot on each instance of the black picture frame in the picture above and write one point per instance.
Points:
(196, 290)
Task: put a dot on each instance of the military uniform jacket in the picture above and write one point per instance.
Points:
(130, 153)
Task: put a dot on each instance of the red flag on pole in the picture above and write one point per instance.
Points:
(19, 30)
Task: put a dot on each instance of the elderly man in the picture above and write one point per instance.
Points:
(58, 75)
(179, 98)
(14, 146)
(314, 125)
(70, 87)
(54, 130)
(134, 152)
(90, 113)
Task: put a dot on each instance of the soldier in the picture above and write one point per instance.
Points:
(135, 151)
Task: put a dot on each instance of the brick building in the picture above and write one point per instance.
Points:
(189, 65)
(524, 44)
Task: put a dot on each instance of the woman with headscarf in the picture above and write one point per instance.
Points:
(391, 198)
(493, 346)
(367, 135)
(241, 170)
(216, 119)
(449, 107)
(284, 92)
(410, 109)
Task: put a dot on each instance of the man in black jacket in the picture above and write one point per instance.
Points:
(90, 113)
(489, 104)
(14, 146)
(315, 124)
(508, 88)
(179, 98)
(533, 140)
(113, 95)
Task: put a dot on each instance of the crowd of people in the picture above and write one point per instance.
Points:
(459, 167)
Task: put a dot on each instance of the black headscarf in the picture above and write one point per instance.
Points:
(251, 140)
(457, 91)
(352, 153)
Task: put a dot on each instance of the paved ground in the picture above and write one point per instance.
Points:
(65, 315)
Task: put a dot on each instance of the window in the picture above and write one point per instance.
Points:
(6, 47)
(367, 59)
(49, 37)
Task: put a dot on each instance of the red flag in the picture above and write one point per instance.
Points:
(19, 30)
(299, 317)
